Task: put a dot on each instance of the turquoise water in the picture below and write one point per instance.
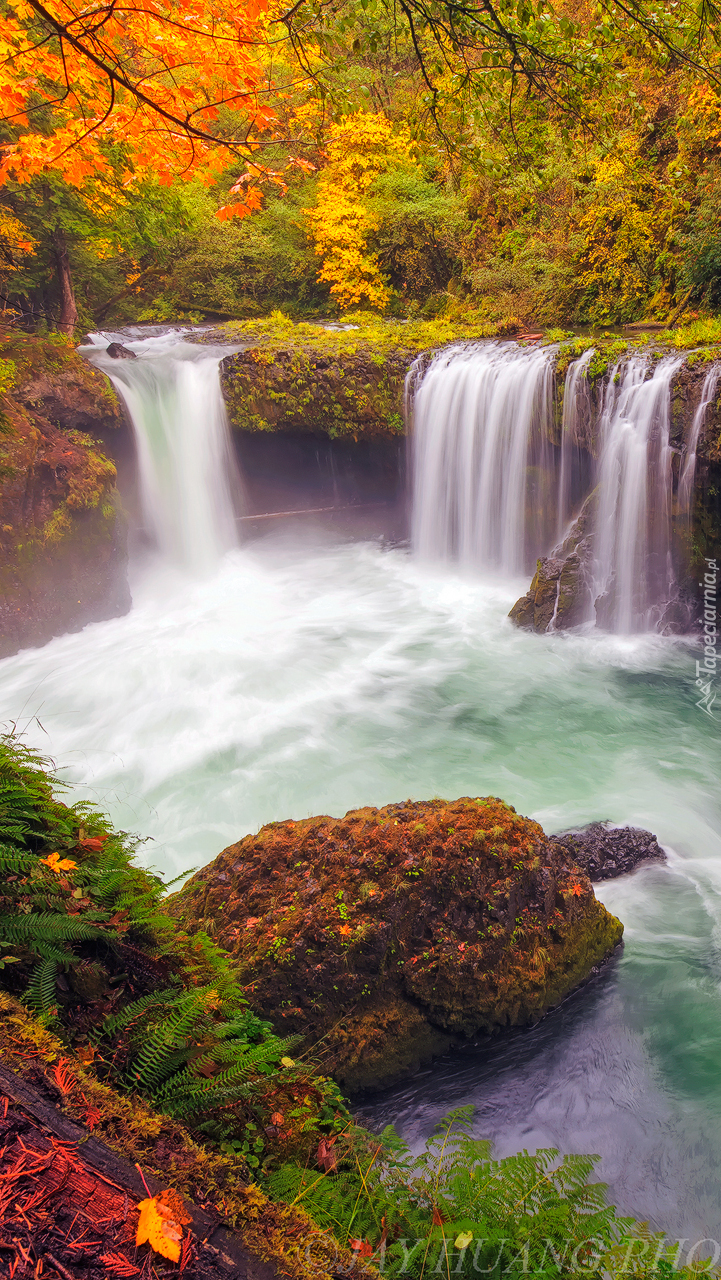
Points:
(312, 676)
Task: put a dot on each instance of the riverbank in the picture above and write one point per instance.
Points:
(98, 1069)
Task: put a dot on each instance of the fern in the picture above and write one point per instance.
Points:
(40, 995)
(521, 1213)
(71, 894)
(13, 861)
(134, 1012)
(47, 926)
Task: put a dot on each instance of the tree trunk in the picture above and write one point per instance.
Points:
(68, 310)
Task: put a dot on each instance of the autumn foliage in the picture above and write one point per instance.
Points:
(360, 148)
(110, 92)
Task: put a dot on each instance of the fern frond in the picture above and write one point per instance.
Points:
(137, 1010)
(40, 995)
(15, 861)
(47, 926)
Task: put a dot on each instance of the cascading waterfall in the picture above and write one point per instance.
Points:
(492, 491)
(688, 470)
(634, 572)
(481, 455)
(576, 417)
(173, 395)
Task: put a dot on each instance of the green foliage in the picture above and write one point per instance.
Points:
(192, 1052)
(695, 333)
(418, 232)
(52, 905)
(94, 921)
(453, 1209)
(700, 240)
(8, 375)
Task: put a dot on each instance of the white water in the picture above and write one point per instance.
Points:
(688, 469)
(311, 678)
(634, 570)
(492, 493)
(174, 399)
(576, 418)
(302, 678)
(479, 422)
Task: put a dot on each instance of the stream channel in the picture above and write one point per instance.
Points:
(307, 671)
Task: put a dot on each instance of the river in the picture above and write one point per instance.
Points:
(311, 673)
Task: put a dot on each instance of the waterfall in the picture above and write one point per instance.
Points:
(481, 457)
(634, 573)
(688, 470)
(491, 491)
(173, 395)
(576, 419)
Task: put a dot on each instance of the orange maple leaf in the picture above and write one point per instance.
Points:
(362, 1248)
(161, 1224)
(577, 890)
(58, 864)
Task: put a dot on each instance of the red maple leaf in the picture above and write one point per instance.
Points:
(362, 1248)
(326, 1155)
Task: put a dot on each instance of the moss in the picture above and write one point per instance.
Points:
(389, 934)
(701, 332)
(339, 381)
(62, 560)
(56, 528)
(272, 1231)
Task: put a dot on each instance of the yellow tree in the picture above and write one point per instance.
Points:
(360, 148)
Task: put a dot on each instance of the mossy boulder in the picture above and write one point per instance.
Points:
(393, 934)
(302, 390)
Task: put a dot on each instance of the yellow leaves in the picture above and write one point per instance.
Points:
(58, 864)
(287, 1062)
(363, 145)
(14, 237)
(704, 108)
(463, 1240)
(627, 218)
(360, 148)
(161, 1224)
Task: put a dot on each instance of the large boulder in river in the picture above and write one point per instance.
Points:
(393, 934)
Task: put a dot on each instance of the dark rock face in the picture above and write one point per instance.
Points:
(560, 594)
(62, 538)
(117, 351)
(605, 852)
(393, 934)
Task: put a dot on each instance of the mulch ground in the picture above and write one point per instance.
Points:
(63, 1216)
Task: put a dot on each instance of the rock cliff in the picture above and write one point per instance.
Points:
(62, 544)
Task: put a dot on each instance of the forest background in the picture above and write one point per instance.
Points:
(525, 161)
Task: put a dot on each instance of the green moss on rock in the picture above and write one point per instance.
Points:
(393, 934)
(62, 544)
(336, 381)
